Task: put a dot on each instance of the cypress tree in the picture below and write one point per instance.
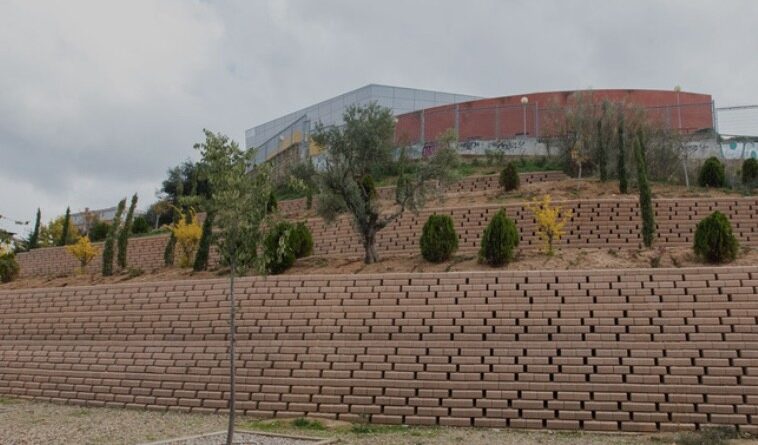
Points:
(34, 238)
(602, 156)
(123, 236)
(646, 201)
(64, 233)
(201, 258)
(168, 253)
(621, 168)
(110, 240)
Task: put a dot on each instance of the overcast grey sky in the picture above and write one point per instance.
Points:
(99, 98)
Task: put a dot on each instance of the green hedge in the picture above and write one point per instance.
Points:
(499, 240)
(9, 268)
(301, 240)
(750, 172)
(712, 173)
(714, 240)
(140, 226)
(279, 247)
(509, 178)
(98, 231)
(438, 239)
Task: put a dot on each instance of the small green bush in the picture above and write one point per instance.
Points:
(301, 240)
(750, 172)
(307, 424)
(438, 238)
(708, 436)
(509, 179)
(140, 226)
(277, 245)
(499, 240)
(714, 240)
(8, 267)
(272, 203)
(98, 231)
(134, 272)
(712, 173)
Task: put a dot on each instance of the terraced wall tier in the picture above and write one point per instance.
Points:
(595, 223)
(629, 350)
(294, 207)
(145, 253)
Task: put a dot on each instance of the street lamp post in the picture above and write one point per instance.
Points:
(678, 106)
(524, 103)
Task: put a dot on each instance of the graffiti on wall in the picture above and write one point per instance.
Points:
(739, 150)
(478, 147)
(532, 147)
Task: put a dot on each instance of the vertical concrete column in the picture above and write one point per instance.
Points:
(305, 139)
(457, 120)
(497, 122)
(422, 136)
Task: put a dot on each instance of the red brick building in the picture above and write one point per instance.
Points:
(530, 114)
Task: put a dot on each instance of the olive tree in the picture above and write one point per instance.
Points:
(239, 208)
(363, 148)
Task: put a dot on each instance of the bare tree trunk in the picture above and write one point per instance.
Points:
(686, 173)
(232, 341)
(369, 246)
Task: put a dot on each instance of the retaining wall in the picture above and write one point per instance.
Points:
(145, 253)
(596, 223)
(293, 207)
(630, 350)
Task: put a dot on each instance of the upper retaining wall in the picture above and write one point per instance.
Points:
(595, 223)
(294, 207)
(143, 252)
(631, 350)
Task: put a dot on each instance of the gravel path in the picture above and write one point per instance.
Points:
(242, 438)
(30, 423)
(27, 423)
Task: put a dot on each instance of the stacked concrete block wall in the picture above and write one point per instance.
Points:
(145, 253)
(596, 223)
(628, 350)
(469, 184)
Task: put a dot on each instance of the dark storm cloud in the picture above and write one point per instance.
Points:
(97, 99)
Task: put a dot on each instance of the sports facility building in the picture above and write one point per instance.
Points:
(515, 122)
(287, 136)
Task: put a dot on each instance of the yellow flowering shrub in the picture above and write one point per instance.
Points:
(187, 236)
(550, 222)
(84, 251)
